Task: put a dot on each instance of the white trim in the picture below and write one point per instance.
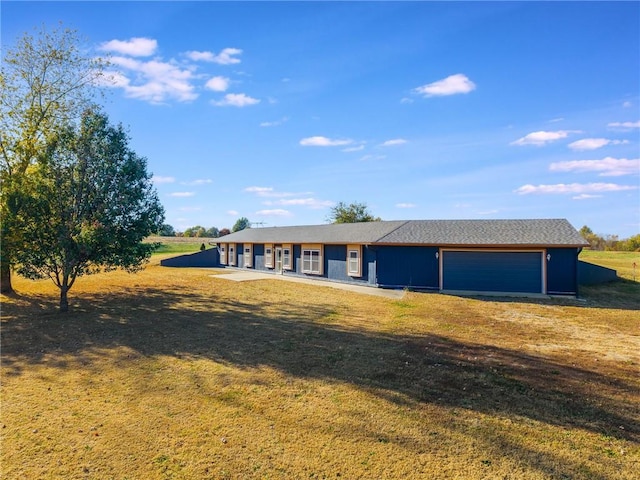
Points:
(222, 249)
(358, 250)
(268, 257)
(311, 248)
(232, 254)
(247, 253)
(543, 259)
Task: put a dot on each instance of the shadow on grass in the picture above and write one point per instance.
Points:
(293, 339)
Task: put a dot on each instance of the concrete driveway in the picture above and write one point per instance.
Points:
(250, 275)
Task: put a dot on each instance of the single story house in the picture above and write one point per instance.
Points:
(537, 256)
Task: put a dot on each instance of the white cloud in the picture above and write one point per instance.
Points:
(556, 120)
(200, 181)
(353, 149)
(236, 100)
(452, 85)
(277, 212)
(260, 191)
(323, 142)
(154, 81)
(406, 205)
(624, 124)
(275, 123)
(396, 141)
(585, 196)
(182, 194)
(627, 104)
(542, 137)
(233, 212)
(217, 84)
(225, 57)
(608, 166)
(594, 143)
(303, 202)
(406, 100)
(365, 158)
(488, 212)
(190, 209)
(577, 188)
(135, 47)
(158, 179)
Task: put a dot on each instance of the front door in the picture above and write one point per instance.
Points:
(279, 260)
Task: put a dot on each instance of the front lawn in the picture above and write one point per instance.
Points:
(172, 373)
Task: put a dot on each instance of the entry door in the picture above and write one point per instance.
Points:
(279, 260)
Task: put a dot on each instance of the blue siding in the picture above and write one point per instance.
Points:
(482, 271)
(335, 261)
(562, 271)
(205, 258)
(404, 266)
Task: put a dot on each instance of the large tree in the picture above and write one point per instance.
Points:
(352, 213)
(241, 224)
(45, 83)
(91, 203)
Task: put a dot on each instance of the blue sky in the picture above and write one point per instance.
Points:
(421, 110)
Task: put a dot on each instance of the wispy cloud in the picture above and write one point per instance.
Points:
(627, 104)
(406, 205)
(594, 143)
(302, 202)
(159, 180)
(366, 158)
(200, 181)
(268, 192)
(135, 47)
(217, 84)
(353, 149)
(391, 143)
(452, 85)
(232, 212)
(607, 167)
(182, 194)
(577, 188)
(585, 196)
(226, 57)
(275, 123)
(319, 141)
(236, 100)
(277, 212)
(542, 137)
(624, 124)
(488, 212)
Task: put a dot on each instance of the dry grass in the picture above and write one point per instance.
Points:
(171, 373)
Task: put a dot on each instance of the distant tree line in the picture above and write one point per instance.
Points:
(610, 242)
(201, 232)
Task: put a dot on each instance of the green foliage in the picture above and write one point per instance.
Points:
(610, 242)
(241, 224)
(46, 82)
(352, 213)
(166, 231)
(196, 231)
(90, 204)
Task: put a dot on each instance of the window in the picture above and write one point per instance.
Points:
(232, 254)
(223, 253)
(312, 259)
(286, 257)
(268, 255)
(248, 257)
(354, 254)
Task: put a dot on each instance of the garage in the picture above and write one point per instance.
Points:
(493, 271)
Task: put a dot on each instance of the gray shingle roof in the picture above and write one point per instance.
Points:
(533, 232)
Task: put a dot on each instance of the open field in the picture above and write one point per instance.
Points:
(177, 245)
(173, 373)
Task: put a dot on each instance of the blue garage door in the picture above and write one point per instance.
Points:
(514, 272)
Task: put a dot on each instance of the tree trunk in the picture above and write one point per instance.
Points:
(5, 277)
(64, 301)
